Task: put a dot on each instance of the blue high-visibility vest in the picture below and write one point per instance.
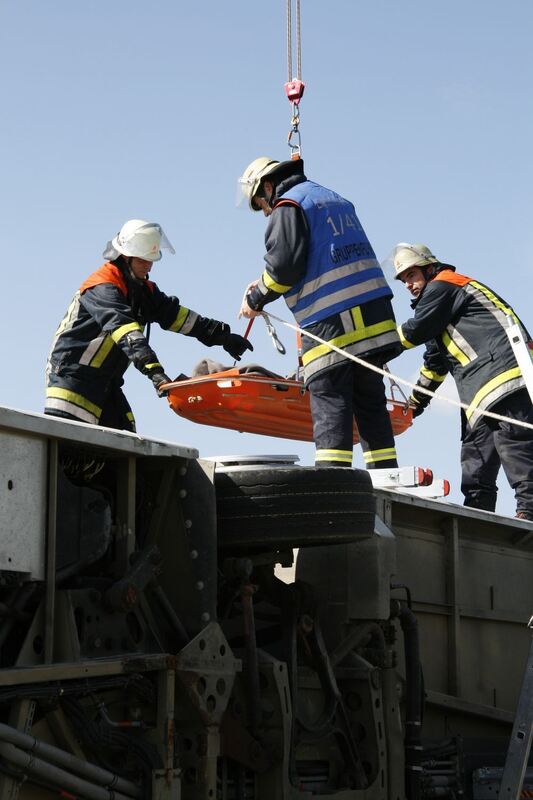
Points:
(342, 269)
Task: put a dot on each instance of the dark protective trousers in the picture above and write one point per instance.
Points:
(339, 395)
(492, 443)
(116, 411)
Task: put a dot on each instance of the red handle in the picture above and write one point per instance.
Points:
(248, 327)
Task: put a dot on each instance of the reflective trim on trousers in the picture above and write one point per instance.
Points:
(343, 456)
(375, 456)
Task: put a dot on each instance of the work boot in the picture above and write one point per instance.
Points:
(524, 515)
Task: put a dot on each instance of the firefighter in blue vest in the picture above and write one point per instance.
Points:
(107, 326)
(320, 260)
(464, 326)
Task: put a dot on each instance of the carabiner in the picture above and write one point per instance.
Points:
(274, 336)
(295, 147)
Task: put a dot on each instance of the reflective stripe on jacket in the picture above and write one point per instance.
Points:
(104, 314)
(365, 331)
(365, 328)
(102, 331)
(342, 270)
(467, 322)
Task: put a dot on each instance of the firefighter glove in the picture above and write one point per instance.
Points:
(418, 408)
(158, 379)
(236, 345)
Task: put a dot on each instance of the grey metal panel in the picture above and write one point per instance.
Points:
(481, 569)
(498, 652)
(442, 508)
(422, 556)
(471, 579)
(106, 438)
(369, 595)
(434, 655)
(23, 470)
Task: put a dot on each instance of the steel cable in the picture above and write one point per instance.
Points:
(298, 75)
(289, 40)
(298, 43)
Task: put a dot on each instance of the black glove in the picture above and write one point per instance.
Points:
(158, 378)
(418, 408)
(236, 345)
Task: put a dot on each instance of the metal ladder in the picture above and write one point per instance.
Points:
(520, 744)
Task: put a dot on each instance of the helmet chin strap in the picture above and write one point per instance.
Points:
(132, 275)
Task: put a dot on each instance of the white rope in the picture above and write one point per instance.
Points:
(395, 378)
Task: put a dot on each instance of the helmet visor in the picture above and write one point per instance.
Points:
(404, 256)
(165, 244)
(388, 263)
(146, 243)
(243, 193)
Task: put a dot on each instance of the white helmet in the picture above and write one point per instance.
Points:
(250, 180)
(405, 255)
(140, 239)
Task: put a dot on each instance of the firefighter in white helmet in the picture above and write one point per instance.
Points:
(107, 326)
(464, 326)
(319, 259)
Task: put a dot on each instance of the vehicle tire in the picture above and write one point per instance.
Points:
(273, 508)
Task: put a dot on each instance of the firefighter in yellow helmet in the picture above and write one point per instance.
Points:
(319, 259)
(105, 328)
(464, 326)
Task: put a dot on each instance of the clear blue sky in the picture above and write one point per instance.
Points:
(420, 112)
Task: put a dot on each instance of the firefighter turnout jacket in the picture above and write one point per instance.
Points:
(104, 330)
(319, 259)
(463, 324)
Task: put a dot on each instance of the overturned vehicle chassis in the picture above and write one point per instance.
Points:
(150, 650)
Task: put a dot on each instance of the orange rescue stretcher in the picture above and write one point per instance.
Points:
(252, 402)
